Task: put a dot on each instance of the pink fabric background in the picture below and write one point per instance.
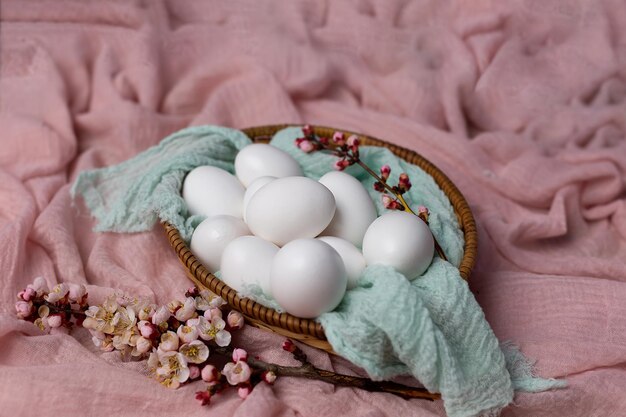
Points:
(523, 105)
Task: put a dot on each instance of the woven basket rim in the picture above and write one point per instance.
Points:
(310, 329)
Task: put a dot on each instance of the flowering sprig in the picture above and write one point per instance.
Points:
(347, 151)
(179, 340)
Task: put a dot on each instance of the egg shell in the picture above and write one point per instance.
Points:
(355, 209)
(247, 260)
(308, 278)
(262, 160)
(213, 235)
(253, 188)
(352, 258)
(290, 208)
(400, 240)
(211, 191)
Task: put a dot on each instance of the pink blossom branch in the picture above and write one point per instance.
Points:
(308, 371)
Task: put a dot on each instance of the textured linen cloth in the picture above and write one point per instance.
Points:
(522, 103)
(430, 328)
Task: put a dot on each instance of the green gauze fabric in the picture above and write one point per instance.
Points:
(431, 328)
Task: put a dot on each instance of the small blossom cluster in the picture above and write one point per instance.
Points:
(54, 310)
(347, 149)
(177, 338)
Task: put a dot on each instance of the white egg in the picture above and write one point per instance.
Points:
(400, 240)
(212, 191)
(290, 208)
(211, 237)
(355, 209)
(262, 160)
(351, 256)
(253, 188)
(247, 260)
(308, 278)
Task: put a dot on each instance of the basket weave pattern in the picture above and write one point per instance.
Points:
(305, 330)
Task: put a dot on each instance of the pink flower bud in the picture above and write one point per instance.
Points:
(306, 146)
(77, 292)
(203, 397)
(389, 202)
(39, 285)
(339, 139)
(378, 186)
(240, 355)
(146, 329)
(143, 345)
(353, 140)
(385, 170)
(23, 309)
(27, 294)
(341, 164)
(323, 140)
(191, 292)
(212, 313)
(307, 130)
(289, 346)
(235, 320)
(423, 210)
(404, 183)
(55, 320)
(209, 373)
(269, 377)
(194, 372)
(243, 392)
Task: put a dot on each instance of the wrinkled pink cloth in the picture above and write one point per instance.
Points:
(522, 104)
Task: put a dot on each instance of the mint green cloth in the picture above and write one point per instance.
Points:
(431, 328)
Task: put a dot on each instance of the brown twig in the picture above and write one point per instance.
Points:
(308, 371)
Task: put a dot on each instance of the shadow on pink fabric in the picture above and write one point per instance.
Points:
(522, 104)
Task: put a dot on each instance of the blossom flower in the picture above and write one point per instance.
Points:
(173, 370)
(235, 320)
(187, 333)
(209, 373)
(55, 320)
(146, 312)
(43, 311)
(207, 300)
(102, 317)
(174, 305)
(269, 377)
(240, 355)
(212, 312)
(237, 373)
(194, 372)
(203, 397)
(161, 315)
(243, 392)
(187, 310)
(142, 345)
(169, 341)
(214, 330)
(58, 292)
(77, 292)
(24, 309)
(39, 285)
(195, 352)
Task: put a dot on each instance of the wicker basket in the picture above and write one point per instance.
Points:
(305, 330)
